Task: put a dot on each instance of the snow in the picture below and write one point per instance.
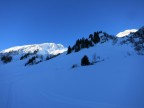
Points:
(116, 81)
(126, 32)
(45, 48)
(41, 51)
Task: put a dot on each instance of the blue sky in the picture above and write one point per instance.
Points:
(63, 21)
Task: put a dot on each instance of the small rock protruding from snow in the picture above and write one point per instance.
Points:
(126, 32)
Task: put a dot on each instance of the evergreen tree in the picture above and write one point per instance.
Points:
(78, 42)
(77, 45)
(96, 38)
(86, 43)
(69, 50)
(83, 43)
(91, 36)
(31, 61)
(85, 61)
(24, 56)
(100, 31)
(6, 59)
(77, 48)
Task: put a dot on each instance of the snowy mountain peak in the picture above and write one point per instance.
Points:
(32, 54)
(126, 32)
(45, 48)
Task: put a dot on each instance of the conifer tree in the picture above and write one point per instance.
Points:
(69, 50)
(86, 43)
(6, 59)
(85, 61)
(91, 36)
(83, 43)
(77, 48)
(96, 38)
(77, 45)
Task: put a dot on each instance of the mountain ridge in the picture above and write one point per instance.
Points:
(37, 53)
(36, 46)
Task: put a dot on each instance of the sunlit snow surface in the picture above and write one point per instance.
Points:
(45, 48)
(126, 32)
(116, 81)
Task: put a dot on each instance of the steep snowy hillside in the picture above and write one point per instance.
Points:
(40, 52)
(126, 32)
(114, 79)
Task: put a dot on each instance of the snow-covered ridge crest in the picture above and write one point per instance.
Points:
(44, 48)
(126, 32)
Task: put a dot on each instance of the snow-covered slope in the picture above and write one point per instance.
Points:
(126, 32)
(45, 48)
(39, 51)
(114, 81)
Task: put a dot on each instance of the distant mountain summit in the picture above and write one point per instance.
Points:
(126, 32)
(44, 48)
(35, 53)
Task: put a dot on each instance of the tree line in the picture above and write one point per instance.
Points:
(85, 42)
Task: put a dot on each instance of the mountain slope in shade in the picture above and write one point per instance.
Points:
(126, 32)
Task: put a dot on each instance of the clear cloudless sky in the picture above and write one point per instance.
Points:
(63, 21)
